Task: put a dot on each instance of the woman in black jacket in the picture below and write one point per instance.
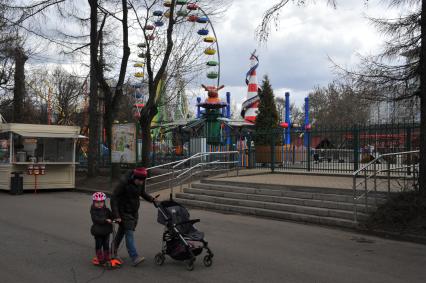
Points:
(102, 227)
(125, 202)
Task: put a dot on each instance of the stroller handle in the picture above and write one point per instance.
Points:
(154, 201)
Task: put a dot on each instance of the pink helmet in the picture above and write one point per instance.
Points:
(98, 196)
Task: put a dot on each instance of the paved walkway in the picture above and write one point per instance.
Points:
(290, 179)
(46, 238)
(305, 179)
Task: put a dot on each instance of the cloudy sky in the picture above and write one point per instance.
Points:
(296, 57)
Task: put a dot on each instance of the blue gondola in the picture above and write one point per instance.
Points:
(203, 20)
(158, 13)
(203, 32)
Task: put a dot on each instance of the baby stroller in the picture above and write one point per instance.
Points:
(181, 240)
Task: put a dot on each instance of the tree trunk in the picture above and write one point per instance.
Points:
(112, 99)
(115, 168)
(146, 144)
(93, 102)
(19, 87)
(422, 175)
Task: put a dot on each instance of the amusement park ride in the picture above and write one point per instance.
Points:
(213, 120)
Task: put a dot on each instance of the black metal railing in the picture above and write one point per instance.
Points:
(332, 150)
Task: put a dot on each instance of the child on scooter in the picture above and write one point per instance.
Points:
(101, 228)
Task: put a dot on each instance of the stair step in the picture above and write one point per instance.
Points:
(332, 221)
(348, 206)
(277, 186)
(283, 193)
(306, 210)
(322, 190)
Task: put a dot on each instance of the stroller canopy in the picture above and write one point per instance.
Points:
(171, 212)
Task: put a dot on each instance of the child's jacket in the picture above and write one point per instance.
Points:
(99, 216)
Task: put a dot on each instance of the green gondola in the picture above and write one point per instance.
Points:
(182, 13)
(212, 75)
(212, 63)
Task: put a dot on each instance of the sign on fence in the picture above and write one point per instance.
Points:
(123, 148)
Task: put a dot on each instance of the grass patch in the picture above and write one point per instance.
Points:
(402, 213)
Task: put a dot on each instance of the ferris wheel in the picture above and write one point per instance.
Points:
(195, 57)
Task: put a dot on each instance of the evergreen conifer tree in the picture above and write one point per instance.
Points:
(267, 117)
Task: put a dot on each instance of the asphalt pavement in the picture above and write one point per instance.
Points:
(45, 237)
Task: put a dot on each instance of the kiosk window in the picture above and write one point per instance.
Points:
(43, 149)
(57, 150)
(4, 148)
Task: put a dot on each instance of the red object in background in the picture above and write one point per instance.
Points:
(192, 6)
(308, 127)
(193, 18)
(284, 125)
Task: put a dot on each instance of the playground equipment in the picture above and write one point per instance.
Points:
(288, 124)
(138, 95)
(250, 105)
(194, 31)
(191, 22)
(211, 113)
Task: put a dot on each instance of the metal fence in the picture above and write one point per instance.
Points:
(339, 150)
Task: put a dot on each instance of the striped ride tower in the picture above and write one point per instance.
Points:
(250, 105)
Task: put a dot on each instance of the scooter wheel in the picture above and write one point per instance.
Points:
(159, 259)
(95, 261)
(208, 261)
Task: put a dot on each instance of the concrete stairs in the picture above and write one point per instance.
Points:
(326, 206)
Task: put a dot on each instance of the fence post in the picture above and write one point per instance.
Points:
(355, 135)
(249, 153)
(355, 199)
(408, 148)
(308, 139)
(389, 177)
(153, 161)
(272, 151)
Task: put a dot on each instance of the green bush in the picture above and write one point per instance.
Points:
(404, 212)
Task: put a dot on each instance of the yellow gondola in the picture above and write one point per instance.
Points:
(209, 39)
(139, 65)
(139, 75)
(210, 51)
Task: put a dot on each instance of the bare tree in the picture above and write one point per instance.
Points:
(66, 90)
(408, 39)
(337, 105)
(271, 17)
(171, 56)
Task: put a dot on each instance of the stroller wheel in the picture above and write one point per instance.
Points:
(159, 259)
(208, 261)
(190, 265)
